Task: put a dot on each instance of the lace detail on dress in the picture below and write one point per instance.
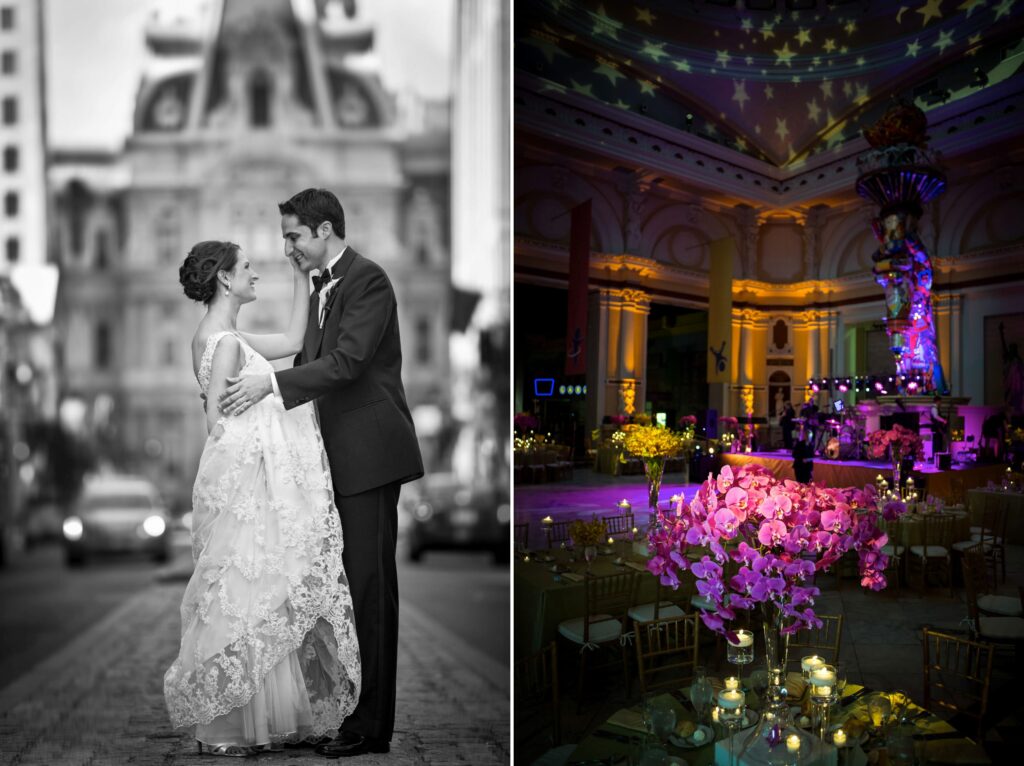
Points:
(269, 586)
(206, 360)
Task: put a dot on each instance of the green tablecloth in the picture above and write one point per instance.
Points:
(911, 528)
(542, 601)
(620, 735)
(979, 499)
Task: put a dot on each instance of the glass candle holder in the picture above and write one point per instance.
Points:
(809, 663)
(740, 652)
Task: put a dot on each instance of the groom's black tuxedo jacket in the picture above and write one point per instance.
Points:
(353, 369)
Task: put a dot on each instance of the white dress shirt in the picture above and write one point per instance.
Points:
(322, 298)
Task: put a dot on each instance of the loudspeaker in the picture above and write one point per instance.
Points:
(943, 461)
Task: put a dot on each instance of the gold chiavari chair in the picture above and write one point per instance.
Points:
(957, 675)
(993, 618)
(522, 536)
(935, 553)
(666, 652)
(605, 603)
(620, 526)
(537, 711)
(824, 641)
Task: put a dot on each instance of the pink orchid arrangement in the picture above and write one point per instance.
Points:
(688, 421)
(619, 420)
(524, 421)
(898, 442)
(729, 423)
(778, 533)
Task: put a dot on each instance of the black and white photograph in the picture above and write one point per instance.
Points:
(254, 381)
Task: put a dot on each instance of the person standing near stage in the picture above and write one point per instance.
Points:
(786, 421)
(938, 424)
(803, 457)
(809, 412)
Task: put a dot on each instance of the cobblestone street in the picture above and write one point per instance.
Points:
(100, 700)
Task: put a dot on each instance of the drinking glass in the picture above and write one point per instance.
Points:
(663, 722)
(701, 693)
(899, 700)
(879, 709)
(741, 652)
(840, 678)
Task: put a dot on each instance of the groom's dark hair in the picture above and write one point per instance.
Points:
(314, 206)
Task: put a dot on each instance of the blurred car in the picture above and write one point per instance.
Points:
(445, 514)
(42, 523)
(117, 514)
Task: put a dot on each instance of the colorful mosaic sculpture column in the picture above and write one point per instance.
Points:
(900, 175)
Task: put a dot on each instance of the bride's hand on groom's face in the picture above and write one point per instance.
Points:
(243, 392)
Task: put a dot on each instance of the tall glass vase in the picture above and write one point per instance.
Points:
(767, 741)
(654, 468)
(897, 470)
(776, 645)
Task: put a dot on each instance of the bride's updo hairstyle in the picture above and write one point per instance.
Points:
(198, 274)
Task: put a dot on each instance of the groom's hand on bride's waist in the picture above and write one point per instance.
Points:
(243, 392)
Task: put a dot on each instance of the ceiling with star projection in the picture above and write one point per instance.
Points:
(780, 81)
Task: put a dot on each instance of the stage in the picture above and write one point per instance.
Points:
(951, 485)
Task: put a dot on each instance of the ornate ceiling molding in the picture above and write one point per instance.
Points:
(656, 148)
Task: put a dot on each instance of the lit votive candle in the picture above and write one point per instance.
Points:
(839, 738)
(611, 541)
(730, 699)
(879, 479)
(810, 662)
(635, 530)
(793, 743)
(732, 682)
(910, 480)
(823, 675)
(743, 638)
(821, 691)
(711, 451)
(547, 520)
(624, 503)
(714, 714)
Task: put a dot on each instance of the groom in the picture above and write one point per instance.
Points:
(350, 365)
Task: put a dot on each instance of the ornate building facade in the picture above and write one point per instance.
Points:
(228, 122)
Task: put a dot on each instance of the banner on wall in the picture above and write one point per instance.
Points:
(720, 310)
(579, 278)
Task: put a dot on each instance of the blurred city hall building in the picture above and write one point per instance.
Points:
(229, 122)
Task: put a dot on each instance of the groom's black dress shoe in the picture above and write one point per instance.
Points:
(348, 744)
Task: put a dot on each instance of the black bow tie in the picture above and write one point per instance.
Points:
(322, 279)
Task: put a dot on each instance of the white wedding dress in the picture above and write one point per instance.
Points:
(268, 643)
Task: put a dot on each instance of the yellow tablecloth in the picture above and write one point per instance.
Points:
(542, 601)
(979, 499)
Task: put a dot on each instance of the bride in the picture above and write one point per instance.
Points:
(268, 644)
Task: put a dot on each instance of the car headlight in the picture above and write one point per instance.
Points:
(73, 528)
(154, 526)
(423, 511)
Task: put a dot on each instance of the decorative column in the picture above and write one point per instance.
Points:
(900, 175)
(620, 361)
(948, 308)
(723, 253)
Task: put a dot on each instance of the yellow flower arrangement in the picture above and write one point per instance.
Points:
(528, 444)
(587, 533)
(646, 442)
